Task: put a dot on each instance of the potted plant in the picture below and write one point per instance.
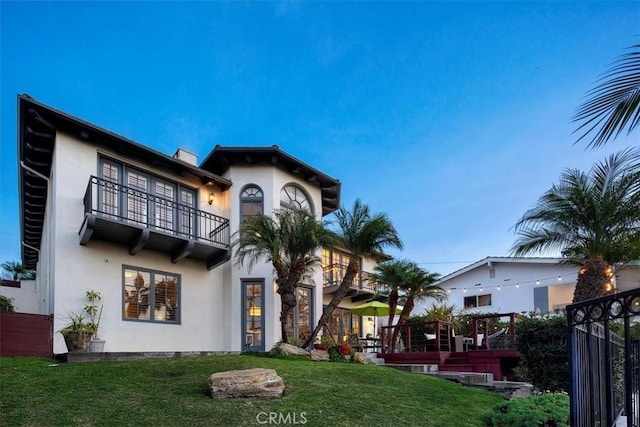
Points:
(324, 343)
(81, 331)
(345, 348)
(96, 345)
(76, 333)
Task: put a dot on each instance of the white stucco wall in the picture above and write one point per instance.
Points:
(628, 278)
(98, 266)
(26, 298)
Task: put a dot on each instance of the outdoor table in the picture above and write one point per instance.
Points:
(371, 343)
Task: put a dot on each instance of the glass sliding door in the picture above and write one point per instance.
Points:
(253, 315)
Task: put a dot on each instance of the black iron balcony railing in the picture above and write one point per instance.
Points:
(120, 203)
(333, 274)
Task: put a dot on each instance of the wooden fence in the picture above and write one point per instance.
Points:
(23, 334)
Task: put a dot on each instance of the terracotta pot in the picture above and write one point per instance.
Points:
(345, 349)
(321, 346)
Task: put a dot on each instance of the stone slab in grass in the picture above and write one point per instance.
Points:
(292, 350)
(256, 382)
(320, 355)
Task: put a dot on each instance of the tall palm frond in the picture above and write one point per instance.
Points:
(418, 286)
(289, 241)
(614, 104)
(588, 215)
(361, 233)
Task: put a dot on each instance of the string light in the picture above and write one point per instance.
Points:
(549, 281)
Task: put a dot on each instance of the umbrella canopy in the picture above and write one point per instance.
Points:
(373, 308)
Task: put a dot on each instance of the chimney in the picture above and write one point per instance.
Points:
(186, 156)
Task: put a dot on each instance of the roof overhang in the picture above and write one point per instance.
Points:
(489, 262)
(222, 158)
(37, 128)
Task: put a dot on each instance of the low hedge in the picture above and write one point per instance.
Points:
(546, 410)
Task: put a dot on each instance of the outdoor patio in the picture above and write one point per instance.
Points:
(486, 345)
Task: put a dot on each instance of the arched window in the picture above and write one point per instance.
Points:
(293, 197)
(250, 201)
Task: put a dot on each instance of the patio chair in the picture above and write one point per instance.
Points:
(355, 342)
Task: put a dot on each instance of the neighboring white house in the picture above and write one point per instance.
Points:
(506, 284)
(151, 233)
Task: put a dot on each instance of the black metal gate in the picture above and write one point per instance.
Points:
(604, 361)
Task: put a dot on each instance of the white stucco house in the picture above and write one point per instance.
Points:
(151, 233)
(519, 284)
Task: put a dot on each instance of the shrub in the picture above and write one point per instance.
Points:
(543, 348)
(546, 410)
(6, 303)
(335, 355)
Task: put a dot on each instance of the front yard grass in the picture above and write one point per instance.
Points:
(174, 392)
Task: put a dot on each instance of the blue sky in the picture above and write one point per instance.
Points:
(451, 117)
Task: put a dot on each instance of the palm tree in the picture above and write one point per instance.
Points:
(363, 234)
(418, 286)
(592, 218)
(289, 241)
(392, 274)
(614, 104)
(18, 271)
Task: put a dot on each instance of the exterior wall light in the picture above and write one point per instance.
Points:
(212, 198)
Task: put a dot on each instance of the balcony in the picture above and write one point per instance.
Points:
(124, 215)
(364, 284)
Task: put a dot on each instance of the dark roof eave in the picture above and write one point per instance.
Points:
(91, 133)
(221, 158)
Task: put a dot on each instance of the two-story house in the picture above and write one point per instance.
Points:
(151, 233)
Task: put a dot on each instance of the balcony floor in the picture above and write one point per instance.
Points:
(137, 238)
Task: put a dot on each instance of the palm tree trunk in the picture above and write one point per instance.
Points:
(338, 296)
(404, 315)
(288, 302)
(287, 291)
(393, 303)
(594, 280)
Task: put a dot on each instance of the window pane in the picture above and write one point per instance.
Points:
(355, 324)
(304, 313)
(470, 302)
(165, 298)
(187, 213)
(150, 295)
(291, 197)
(110, 189)
(484, 300)
(164, 205)
(253, 315)
(250, 208)
(250, 202)
(137, 197)
(136, 294)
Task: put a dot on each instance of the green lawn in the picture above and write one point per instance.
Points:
(173, 392)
